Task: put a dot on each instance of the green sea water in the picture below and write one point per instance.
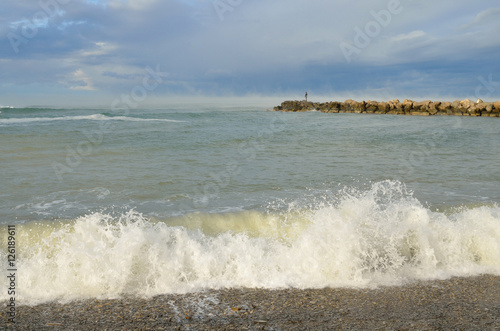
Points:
(174, 191)
(65, 163)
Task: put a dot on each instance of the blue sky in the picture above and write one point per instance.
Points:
(90, 52)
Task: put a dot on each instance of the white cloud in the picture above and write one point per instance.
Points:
(81, 82)
(484, 18)
(107, 44)
(409, 36)
(131, 4)
(101, 48)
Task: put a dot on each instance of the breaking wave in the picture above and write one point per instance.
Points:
(382, 236)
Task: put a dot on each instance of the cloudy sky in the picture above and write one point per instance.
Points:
(90, 52)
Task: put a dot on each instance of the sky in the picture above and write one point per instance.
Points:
(103, 52)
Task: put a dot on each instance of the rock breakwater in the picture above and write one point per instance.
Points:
(395, 107)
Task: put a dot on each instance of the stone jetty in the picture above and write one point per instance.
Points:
(395, 107)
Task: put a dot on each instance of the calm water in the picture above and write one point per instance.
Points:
(191, 197)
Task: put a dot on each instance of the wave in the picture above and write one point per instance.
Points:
(94, 117)
(382, 236)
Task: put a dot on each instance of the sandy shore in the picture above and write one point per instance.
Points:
(456, 304)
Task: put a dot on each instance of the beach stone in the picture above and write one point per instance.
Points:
(422, 106)
(420, 113)
(291, 106)
(456, 104)
(467, 103)
(332, 107)
(383, 107)
(371, 106)
(359, 107)
(394, 104)
(479, 101)
(407, 105)
(484, 107)
(444, 106)
(356, 105)
(433, 107)
(426, 103)
(348, 105)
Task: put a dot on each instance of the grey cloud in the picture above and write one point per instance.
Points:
(256, 46)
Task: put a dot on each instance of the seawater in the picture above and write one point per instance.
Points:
(190, 197)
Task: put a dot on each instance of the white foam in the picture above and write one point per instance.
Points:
(379, 237)
(94, 117)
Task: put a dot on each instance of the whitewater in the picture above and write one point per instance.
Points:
(188, 198)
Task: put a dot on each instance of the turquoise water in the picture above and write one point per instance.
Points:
(169, 191)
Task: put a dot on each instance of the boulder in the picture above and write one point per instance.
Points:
(483, 107)
(394, 104)
(371, 106)
(359, 107)
(407, 105)
(353, 106)
(433, 107)
(294, 106)
(423, 105)
(333, 107)
(495, 109)
(467, 103)
(419, 113)
(383, 107)
(444, 106)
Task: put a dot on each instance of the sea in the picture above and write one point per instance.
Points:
(112, 203)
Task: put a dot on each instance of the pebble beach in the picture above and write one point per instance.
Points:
(456, 304)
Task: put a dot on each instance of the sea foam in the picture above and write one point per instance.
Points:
(382, 236)
(94, 117)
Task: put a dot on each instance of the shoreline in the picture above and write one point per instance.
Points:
(395, 107)
(471, 303)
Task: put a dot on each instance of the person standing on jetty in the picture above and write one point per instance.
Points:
(306, 96)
